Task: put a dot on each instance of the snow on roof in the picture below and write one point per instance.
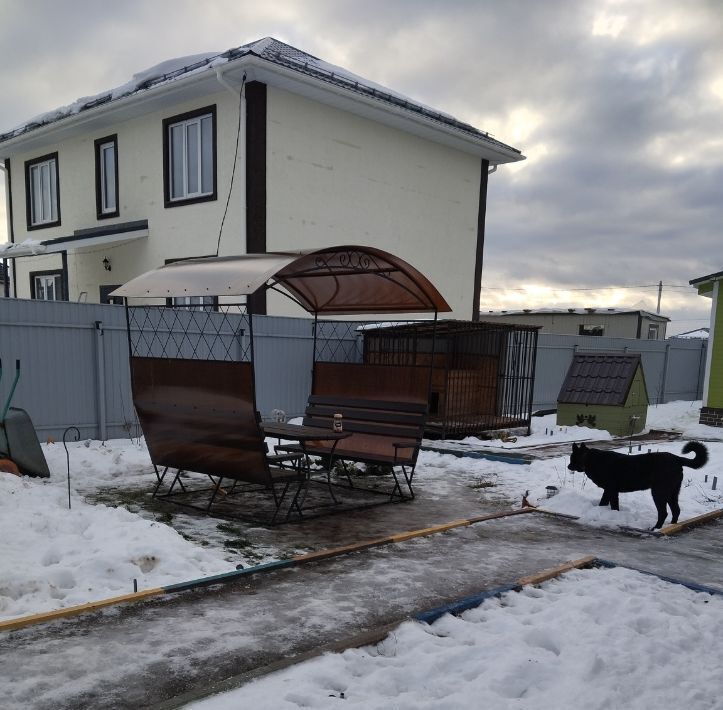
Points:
(268, 48)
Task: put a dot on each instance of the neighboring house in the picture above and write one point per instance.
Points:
(712, 411)
(604, 391)
(4, 280)
(260, 148)
(608, 322)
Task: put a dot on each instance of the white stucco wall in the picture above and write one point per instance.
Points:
(188, 230)
(336, 178)
(332, 178)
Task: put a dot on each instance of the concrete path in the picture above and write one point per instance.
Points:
(142, 655)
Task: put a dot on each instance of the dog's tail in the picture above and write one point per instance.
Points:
(701, 455)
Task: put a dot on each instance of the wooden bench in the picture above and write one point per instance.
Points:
(199, 416)
(383, 433)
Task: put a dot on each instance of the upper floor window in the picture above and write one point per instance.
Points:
(106, 177)
(585, 329)
(653, 331)
(41, 190)
(189, 155)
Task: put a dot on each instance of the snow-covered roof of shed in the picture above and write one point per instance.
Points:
(269, 49)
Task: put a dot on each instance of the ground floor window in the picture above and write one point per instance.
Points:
(591, 330)
(195, 303)
(105, 296)
(46, 285)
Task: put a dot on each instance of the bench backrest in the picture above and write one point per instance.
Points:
(380, 404)
(199, 415)
(375, 425)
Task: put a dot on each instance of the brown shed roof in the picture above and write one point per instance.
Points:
(599, 378)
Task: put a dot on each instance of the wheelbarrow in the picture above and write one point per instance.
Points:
(18, 439)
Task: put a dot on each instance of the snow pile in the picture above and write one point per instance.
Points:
(594, 639)
(53, 557)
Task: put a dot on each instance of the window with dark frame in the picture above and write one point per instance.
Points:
(192, 303)
(42, 192)
(653, 331)
(106, 177)
(189, 157)
(47, 285)
(105, 296)
(591, 329)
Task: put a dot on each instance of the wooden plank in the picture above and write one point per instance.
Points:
(674, 528)
(43, 617)
(553, 572)
(504, 514)
(401, 537)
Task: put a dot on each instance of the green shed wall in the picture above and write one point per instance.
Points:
(715, 382)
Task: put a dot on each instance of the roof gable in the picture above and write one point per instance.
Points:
(279, 57)
(599, 378)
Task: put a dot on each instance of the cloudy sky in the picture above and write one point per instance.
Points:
(617, 105)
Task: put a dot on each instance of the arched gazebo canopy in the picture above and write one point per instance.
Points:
(334, 280)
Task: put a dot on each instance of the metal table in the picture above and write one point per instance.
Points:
(304, 434)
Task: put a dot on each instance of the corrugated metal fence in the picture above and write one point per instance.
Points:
(674, 368)
(74, 365)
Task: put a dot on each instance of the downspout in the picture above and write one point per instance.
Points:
(9, 210)
(240, 94)
(493, 169)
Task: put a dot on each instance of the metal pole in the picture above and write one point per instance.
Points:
(100, 379)
(660, 293)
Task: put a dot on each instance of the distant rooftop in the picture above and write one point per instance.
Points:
(574, 311)
(697, 333)
(268, 49)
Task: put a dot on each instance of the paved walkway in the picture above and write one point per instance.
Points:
(141, 655)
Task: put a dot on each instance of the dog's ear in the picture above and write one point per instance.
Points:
(583, 447)
(574, 447)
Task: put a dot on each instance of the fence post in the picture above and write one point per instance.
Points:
(100, 378)
(664, 376)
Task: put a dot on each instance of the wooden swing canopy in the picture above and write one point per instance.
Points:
(337, 280)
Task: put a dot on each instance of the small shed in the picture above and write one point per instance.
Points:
(604, 391)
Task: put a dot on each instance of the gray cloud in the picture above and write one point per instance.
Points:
(615, 104)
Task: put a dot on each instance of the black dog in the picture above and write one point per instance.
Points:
(617, 473)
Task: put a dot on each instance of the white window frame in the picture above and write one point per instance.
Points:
(653, 331)
(194, 303)
(40, 286)
(42, 185)
(197, 169)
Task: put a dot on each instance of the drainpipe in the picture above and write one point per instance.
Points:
(6, 262)
(240, 94)
(492, 169)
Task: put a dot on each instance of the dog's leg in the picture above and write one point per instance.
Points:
(674, 509)
(605, 500)
(614, 500)
(660, 500)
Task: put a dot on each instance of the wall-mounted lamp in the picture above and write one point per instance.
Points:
(106, 263)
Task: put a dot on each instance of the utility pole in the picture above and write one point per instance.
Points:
(660, 293)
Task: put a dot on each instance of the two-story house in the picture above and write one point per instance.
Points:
(259, 148)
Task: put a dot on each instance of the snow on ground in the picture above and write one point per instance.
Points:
(53, 557)
(598, 638)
